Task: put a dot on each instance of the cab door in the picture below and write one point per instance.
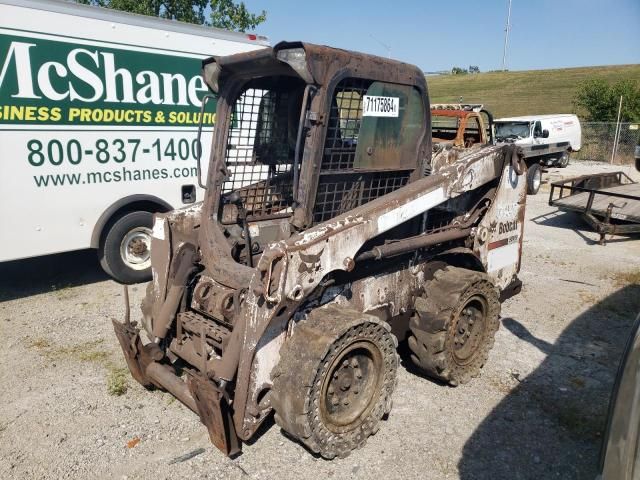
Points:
(371, 144)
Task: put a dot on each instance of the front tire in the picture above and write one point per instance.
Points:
(125, 252)
(534, 178)
(454, 325)
(334, 380)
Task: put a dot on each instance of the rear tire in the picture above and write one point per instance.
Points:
(454, 325)
(534, 178)
(563, 161)
(334, 380)
(125, 250)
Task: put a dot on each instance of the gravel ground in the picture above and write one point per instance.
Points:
(537, 411)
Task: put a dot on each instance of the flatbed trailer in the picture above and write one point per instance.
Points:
(608, 202)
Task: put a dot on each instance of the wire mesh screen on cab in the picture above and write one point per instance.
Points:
(261, 145)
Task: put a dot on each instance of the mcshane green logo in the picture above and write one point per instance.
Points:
(58, 82)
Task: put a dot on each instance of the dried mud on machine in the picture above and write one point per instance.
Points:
(328, 234)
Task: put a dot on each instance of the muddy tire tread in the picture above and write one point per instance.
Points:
(432, 320)
(305, 358)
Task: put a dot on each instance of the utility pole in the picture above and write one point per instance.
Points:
(383, 44)
(507, 29)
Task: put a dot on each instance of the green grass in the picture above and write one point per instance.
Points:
(84, 352)
(528, 92)
(117, 380)
(117, 375)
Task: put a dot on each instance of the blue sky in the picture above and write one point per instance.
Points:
(438, 35)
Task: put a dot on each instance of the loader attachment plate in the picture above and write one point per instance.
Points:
(215, 413)
(200, 394)
(129, 338)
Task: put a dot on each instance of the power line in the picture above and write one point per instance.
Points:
(383, 44)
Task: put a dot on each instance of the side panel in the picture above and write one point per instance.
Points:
(92, 111)
(498, 242)
(563, 129)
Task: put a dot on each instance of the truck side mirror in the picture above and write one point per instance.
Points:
(545, 133)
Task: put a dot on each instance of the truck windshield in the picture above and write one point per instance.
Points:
(261, 146)
(512, 130)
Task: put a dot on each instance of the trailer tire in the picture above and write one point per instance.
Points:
(124, 251)
(534, 178)
(335, 379)
(454, 324)
(563, 160)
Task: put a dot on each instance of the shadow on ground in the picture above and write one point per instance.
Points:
(23, 278)
(573, 221)
(551, 424)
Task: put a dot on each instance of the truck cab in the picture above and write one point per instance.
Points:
(460, 125)
(546, 140)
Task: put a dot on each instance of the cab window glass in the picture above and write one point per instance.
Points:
(391, 127)
(373, 133)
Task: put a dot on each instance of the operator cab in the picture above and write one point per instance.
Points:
(305, 140)
(461, 125)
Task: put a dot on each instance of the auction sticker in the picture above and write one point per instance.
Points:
(376, 106)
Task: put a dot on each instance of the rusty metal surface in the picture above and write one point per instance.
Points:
(214, 412)
(451, 113)
(463, 116)
(228, 322)
(132, 349)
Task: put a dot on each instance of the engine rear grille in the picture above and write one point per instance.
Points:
(197, 324)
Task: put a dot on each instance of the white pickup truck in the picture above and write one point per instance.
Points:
(547, 140)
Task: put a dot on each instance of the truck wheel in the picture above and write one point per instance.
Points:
(563, 161)
(454, 325)
(534, 178)
(125, 252)
(334, 380)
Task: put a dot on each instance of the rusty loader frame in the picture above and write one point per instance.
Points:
(233, 320)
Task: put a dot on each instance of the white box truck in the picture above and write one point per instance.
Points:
(99, 112)
(547, 140)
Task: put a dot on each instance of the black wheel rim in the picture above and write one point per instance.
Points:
(468, 329)
(351, 386)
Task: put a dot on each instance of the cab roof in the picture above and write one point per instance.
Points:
(533, 118)
(322, 63)
(452, 113)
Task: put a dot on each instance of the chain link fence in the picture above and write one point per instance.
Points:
(599, 140)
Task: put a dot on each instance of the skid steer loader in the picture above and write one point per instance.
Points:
(327, 234)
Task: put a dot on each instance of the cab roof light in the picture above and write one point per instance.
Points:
(296, 58)
(211, 74)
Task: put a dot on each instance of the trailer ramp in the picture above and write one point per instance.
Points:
(608, 202)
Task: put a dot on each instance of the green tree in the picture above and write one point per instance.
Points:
(234, 16)
(597, 100)
(225, 14)
(459, 71)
